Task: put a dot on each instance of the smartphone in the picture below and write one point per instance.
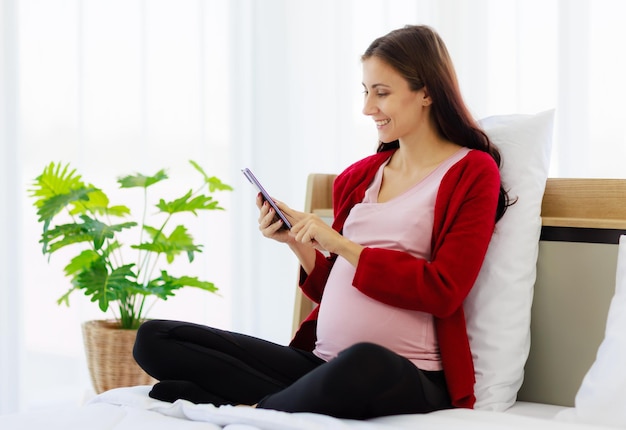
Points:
(254, 181)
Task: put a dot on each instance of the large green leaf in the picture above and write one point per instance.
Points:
(213, 182)
(102, 286)
(100, 231)
(188, 204)
(51, 206)
(56, 179)
(177, 242)
(141, 181)
(122, 280)
(56, 188)
(81, 262)
(165, 285)
(93, 282)
(89, 230)
(118, 210)
(216, 184)
(98, 203)
(64, 235)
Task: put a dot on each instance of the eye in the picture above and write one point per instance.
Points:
(382, 94)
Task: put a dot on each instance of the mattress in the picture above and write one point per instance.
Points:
(132, 409)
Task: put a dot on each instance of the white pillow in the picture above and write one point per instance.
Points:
(600, 398)
(498, 307)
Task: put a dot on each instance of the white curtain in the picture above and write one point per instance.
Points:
(10, 314)
(118, 86)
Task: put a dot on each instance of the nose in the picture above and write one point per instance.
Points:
(369, 108)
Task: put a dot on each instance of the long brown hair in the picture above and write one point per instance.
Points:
(421, 57)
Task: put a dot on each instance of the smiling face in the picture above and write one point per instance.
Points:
(399, 113)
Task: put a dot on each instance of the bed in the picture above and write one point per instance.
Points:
(583, 220)
(545, 318)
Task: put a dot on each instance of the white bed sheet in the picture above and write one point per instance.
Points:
(537, 410)
(132, 409)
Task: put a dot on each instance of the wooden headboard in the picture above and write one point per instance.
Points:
(582, 220)
(319, 200)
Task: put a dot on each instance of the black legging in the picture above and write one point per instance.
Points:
(208, 365)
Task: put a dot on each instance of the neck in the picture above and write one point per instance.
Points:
(423, 151)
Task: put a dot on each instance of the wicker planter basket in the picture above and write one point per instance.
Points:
(109, 352)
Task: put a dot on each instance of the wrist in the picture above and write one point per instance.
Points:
(349, 250)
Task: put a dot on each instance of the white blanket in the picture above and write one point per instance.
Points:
(240, 418)
(132, 409)
(227, 417)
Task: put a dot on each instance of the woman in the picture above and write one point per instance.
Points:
(412, 225)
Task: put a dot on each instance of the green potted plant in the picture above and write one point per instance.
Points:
(78, 214)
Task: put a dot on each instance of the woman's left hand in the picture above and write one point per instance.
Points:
(306, 227)
(309, 229)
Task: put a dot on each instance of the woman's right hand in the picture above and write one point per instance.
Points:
(269, 224)
(271, 227)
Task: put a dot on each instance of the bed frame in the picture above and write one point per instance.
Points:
(582, 220)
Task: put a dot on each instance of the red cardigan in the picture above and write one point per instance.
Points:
(464, 222)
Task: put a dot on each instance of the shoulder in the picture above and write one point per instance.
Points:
(477, 172)
(476, 164)
(479, 160)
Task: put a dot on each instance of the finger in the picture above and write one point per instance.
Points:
(295, 229)
(305, 235)
(269, 218)
(285, 209)
(259, 200)
(281, 205)
(271, 229)
(270, 221)
(263, 211)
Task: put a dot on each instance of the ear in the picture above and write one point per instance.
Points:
(426, 100)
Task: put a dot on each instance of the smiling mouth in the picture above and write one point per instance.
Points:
(382, 122)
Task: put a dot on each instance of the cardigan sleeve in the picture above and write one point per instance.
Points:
(463, 225)
(313, 284)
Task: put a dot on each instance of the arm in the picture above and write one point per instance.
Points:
(315, 267)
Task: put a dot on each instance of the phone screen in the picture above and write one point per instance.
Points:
(254, 181)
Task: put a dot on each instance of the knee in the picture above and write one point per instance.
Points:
(366, 349)
(148, 328)
(146, 338)
(147, 331)
(372, 359)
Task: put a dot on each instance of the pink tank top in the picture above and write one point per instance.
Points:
(348, 316)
